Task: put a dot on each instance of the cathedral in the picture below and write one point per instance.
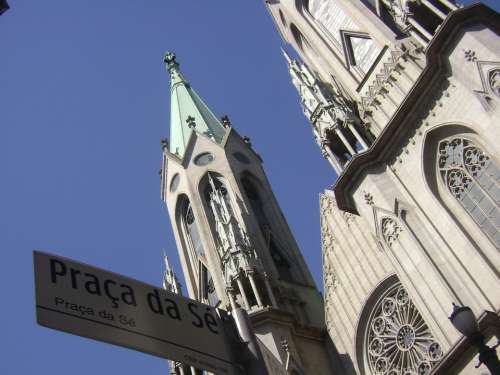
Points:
(403, 97)
(234, 244)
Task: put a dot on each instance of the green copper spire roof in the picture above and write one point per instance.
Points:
(187, 111)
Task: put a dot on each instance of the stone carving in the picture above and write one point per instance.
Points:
(435, 103)
(489, 74)
(368, 198)
(190, 121)
(494, 81)
(470, 55)
(348, 217)
(330, 280)
(385, 76)
(399, 10)
(233, 244)
(327, 204)
(390, 230)
(471, 177)
(398, 341)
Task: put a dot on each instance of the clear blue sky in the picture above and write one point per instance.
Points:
(84, 102)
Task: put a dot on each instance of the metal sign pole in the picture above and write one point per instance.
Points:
(254, 364)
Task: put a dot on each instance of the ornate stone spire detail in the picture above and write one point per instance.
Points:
(336, 126)
(233, 245)
(188, 112)
(170, 281)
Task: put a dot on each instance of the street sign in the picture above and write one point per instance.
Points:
(91, 302)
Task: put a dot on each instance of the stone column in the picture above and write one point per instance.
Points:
(243, 294)
(329, 155)
(358, 136)
(230, 294)
(419, 27)
(255, 290)
(344, 141)
(434, 9)
(418, 38)
(449, 4)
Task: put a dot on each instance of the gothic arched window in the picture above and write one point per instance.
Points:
(192, 234)
(473, 178)
(278, 256)
(220, 213)
(207, 287)
(191, 243)
(397, 340)
(361, 52)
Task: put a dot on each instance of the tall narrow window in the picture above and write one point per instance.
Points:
(227, 230)
(331, 17)
(277, 254)
(473, 179)
(207, 287)
(194, 240)
(360, 49)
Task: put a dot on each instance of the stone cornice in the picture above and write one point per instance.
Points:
(393, 131)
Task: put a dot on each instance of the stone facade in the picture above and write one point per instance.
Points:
(412, 222)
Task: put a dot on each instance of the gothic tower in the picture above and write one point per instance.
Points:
(359, 61)
(404, 98)
(233, 241)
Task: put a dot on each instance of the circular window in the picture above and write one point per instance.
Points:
(397, 340)
(204, 159)
(241, 158)
(175, 182)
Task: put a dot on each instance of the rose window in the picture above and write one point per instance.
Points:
(398, 341)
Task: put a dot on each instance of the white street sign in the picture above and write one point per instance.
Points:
(91, 302)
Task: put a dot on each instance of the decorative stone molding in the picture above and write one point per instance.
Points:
(348, 217)
(368, 198)
(489, 74)
(326, 204)
(330, 280)
(470, 55)
(390, 230)
(233, 245)
(435, 102)
(384, 78)
(494, 81)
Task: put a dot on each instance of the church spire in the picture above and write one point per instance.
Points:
(170, 281)
(188, 111)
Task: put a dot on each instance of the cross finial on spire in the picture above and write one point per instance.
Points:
(225, 121)
(170, 60)
(191, 122)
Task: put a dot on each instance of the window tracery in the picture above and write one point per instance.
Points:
(390, 230)
(494, 81)
(398, 341)
(473, 179)
(276, 248)
(343, 31)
